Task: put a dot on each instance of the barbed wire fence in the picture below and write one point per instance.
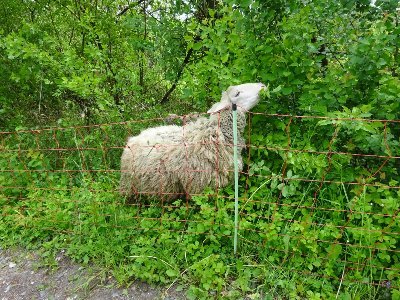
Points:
(332, 196)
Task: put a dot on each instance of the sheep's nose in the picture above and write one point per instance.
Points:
(262, 85)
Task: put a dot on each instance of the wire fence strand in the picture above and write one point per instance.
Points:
(332, 196)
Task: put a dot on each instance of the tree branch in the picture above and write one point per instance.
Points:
(178, 77)
(128, 7)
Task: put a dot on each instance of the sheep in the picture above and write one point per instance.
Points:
(173, 161)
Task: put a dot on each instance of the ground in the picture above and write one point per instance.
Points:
(22, 276)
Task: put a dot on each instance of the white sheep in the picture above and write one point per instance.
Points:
(182, 160)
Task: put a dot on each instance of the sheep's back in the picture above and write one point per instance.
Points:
(157, 135)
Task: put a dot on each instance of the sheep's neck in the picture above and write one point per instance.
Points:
(226, 124)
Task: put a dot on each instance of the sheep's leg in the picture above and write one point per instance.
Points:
(133, 197)
(187, 198)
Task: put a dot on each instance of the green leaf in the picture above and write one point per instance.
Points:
(225, 58)
(277, 89)
(172, 273)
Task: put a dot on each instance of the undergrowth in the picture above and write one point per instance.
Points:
(305, 232)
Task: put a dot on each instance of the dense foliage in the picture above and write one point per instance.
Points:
(320, 197)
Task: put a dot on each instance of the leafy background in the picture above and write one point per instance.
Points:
(305, 232)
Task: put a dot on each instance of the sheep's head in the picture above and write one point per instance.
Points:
(246, 96)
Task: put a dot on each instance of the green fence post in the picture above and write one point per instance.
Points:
(235, 162)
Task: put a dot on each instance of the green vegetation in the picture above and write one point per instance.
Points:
(320, 197)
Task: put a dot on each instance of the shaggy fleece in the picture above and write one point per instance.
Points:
(182, 160)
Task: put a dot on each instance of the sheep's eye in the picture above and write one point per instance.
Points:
(237, 94)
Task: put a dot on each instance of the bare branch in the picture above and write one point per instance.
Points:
(128, 7)
(178, 76)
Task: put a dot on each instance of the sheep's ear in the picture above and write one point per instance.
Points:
(218, 107)
(224, 103)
